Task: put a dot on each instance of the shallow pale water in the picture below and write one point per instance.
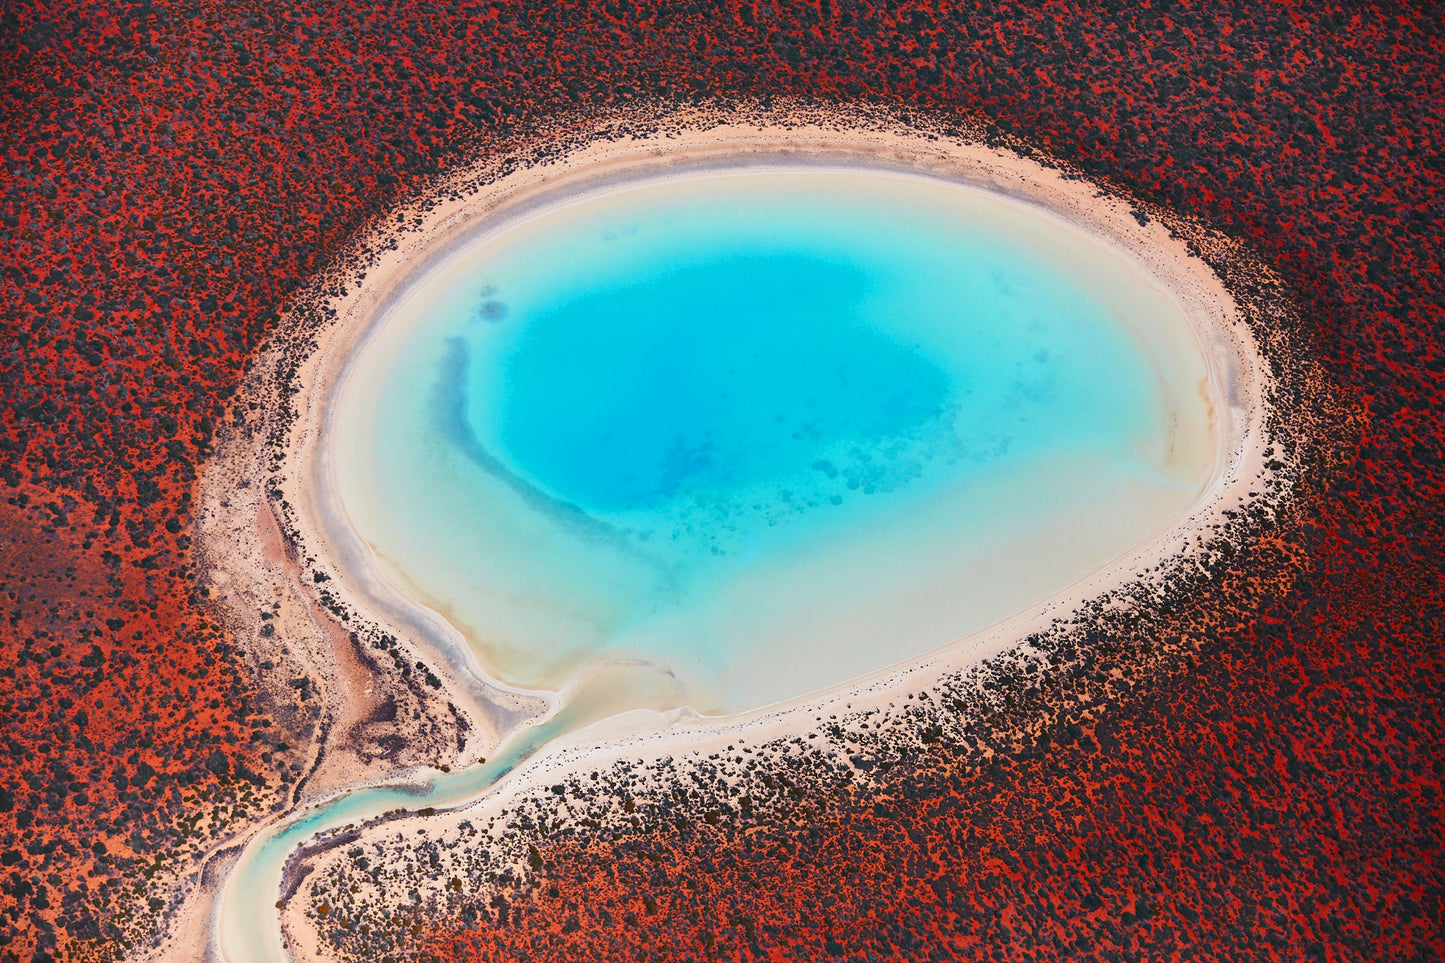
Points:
(247, 925)
(765, 430)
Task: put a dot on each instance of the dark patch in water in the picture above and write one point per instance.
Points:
(449, 408)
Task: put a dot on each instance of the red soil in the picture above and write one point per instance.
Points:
(173, 170)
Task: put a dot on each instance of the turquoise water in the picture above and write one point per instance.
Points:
(249, 929)
(764, 430)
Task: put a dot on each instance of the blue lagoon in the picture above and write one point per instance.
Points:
(764, 430)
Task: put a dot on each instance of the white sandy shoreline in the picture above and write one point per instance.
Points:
(599, 168)
(1239, 385)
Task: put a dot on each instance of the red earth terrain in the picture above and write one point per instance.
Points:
(174, 171)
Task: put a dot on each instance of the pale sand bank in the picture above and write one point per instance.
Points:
(456, 223)
(1238, 385)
